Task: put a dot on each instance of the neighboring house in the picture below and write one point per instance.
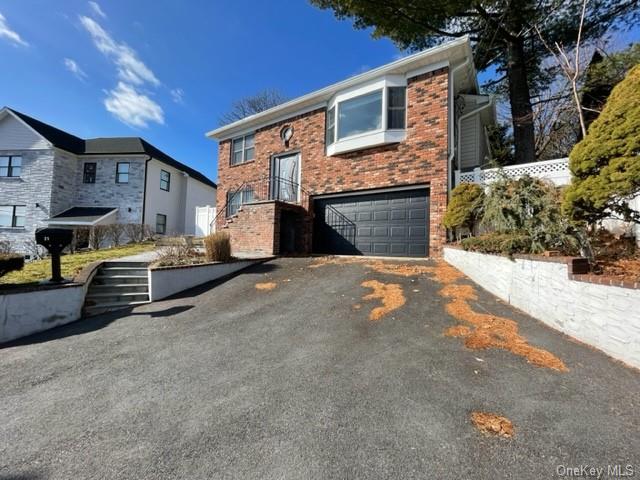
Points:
(363, 166)
(50, 177)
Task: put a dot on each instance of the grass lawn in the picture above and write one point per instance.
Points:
(71, 264)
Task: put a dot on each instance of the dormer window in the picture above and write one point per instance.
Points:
(369, 116)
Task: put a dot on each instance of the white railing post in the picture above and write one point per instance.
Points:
(477, 175)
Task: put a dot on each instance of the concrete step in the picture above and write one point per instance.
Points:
(122, 271)
(115, 263)
(97, 299)
(120, 279)
(119, 287)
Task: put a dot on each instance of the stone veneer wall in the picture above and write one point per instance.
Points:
(606, 317)
(31, 188)
(107, 193)
(420, 159)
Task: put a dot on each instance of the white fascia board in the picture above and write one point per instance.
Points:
(295, 107)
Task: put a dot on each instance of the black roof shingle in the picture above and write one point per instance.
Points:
(107, 146)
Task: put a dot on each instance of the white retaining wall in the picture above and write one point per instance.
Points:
(166, 281)
(28, 312)
(603, 316)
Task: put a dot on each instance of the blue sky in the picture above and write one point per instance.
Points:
(166, 70)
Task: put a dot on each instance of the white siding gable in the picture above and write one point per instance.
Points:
(15, 135)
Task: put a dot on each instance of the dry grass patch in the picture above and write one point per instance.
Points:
(266, 285)
(389, 293)
(492, 424)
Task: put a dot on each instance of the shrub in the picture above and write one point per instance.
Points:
(178, 254)
(218, 247)
(97, 235)
(532, 207)
(605, 165)
(137, 232)
(465, 207)
(115, 233)
(5, 247)
(10, 263)
(499, 243)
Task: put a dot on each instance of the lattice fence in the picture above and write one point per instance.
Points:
(555, 170)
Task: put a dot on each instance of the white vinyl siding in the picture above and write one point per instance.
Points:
(470, 137)
(15, 135)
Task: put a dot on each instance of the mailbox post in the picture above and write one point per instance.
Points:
(54, 240)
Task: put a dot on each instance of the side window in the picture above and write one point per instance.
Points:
(165, 180)
(10, 166)
(122, 172)
(330, 134)
(397, 108)
(12, 216)
(161, 224)
(242, 149)
(89, 174)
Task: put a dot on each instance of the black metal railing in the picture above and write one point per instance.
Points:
(262, 189)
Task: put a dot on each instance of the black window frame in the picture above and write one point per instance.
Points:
(14, 217)
(397, 108)
(11, 167)
(119, 173)
(243, 149)
(166, 181)
(162, 231)
(89, 176)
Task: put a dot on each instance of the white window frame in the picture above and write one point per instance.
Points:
(372, 138)
(244, 149)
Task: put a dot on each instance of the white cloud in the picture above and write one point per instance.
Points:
(177, 94)
(74, 68)
(132, 107)
(97, 9)
(11, 35)
(130, 68)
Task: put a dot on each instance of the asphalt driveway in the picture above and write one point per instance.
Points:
(295, 381)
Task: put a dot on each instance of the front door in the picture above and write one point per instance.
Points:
(285, 178)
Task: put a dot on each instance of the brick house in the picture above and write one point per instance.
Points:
(49, 177)
(361, 167)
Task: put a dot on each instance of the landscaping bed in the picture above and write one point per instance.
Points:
(71, 264)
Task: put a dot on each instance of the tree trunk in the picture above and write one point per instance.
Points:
(520, 100)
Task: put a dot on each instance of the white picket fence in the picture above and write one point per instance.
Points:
(555, 170)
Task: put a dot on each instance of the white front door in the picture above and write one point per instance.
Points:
(285, 178)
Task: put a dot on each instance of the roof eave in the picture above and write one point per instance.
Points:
(315, 99)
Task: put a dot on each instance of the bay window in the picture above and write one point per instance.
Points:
(371, 116)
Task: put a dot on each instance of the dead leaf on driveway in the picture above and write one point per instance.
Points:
(389, 293)
(266, 285)
(492, 424)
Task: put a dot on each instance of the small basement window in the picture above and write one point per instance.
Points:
(161, 224)
(242, 149)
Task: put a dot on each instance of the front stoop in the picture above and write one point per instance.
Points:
(117, 285)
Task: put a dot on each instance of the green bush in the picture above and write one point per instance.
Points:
(465, 206)
(531, 207)
(499, 243)
(10, 263)
(218, 247)
(606, 165)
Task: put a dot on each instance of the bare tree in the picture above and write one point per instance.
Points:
(251, 105)
(571, 67)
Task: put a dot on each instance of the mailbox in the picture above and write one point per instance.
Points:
(55, 240)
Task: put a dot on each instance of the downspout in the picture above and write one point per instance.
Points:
(144, 191)
(472, 112)
(452, 149)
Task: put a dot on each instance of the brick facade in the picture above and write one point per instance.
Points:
(420, 159)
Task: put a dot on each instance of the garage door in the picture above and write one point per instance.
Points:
(392, 223)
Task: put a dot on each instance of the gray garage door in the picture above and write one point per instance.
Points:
(393, 224)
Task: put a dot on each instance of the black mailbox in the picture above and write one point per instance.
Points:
(54, 240)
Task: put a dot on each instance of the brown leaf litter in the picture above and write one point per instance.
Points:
(389, 293)
(266, 285)
(492, 424)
